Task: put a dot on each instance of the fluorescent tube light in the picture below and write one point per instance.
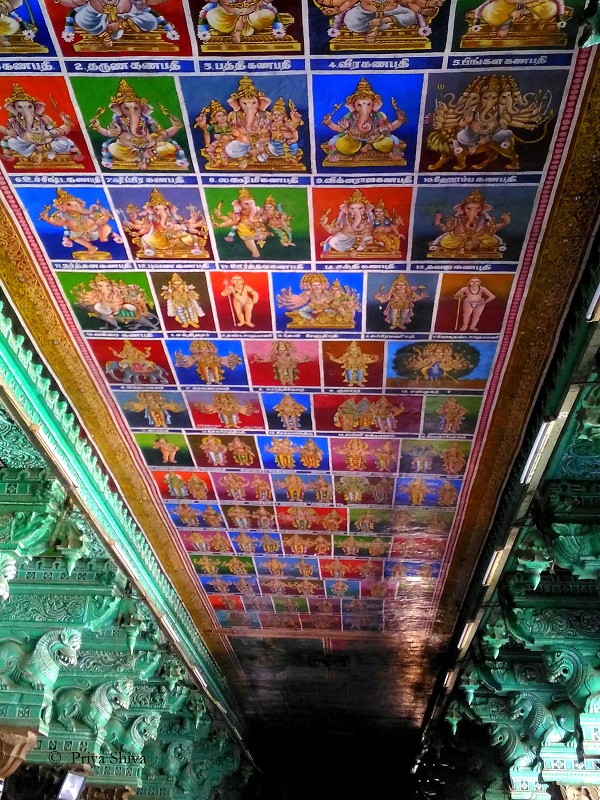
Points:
(200, 677)
(170, 629)
(490, 572)
(536, 451)
(450, 678)
(593, 312)
(467, 634)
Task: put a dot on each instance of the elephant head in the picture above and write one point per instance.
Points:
(249, 101)
(363, 103)
(356, 209)
(25, 110)
(128, 106)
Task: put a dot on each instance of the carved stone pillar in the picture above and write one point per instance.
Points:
(15, 744)
(108, 793)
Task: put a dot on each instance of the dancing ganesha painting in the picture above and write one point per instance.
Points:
(81, 224)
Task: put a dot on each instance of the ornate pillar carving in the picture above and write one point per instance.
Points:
(15, 744)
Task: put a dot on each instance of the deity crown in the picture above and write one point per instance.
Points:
(213, 109)
(18, 93)
(125, 94)
(279, 105)
(357, 197)
(62, 196)
(157, 199)
(364, 90)
(246, 89)
(381, 205)
(312, 277)
(494, 84)
(474, 197)
(270, 201)
(244, 194)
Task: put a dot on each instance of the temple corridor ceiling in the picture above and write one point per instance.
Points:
(276, 255)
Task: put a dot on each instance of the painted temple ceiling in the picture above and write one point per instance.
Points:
(276, 255)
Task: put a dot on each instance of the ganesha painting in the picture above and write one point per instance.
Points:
(159, 230)
(364, 136)
(134, 140)
(126, 26)
(31, 138)
(382, 25)
(512, 24)
(257, 134)
(229, 26)
(362, 229)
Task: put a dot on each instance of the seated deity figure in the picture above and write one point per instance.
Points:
(134, 140)
(517, 23)
(320, 305)
(160, 231)
(17, 34)
(124, 25)
(389, 25)
(31, 138)
(364, 134)
(244, 26)
(470, 232)
(251, 135)
(362, 230)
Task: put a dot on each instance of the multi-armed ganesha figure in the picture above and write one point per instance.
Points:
(129, 25)
(483, 119)
(160, 231)
(135, 140)
(364, 135)
(244, 25)
(251, 135)
(32, 138)
(82, 224)
(362, 230)
(380, 24)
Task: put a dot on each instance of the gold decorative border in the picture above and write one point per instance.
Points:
(569, 228)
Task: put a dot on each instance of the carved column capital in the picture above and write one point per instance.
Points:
(108, 793)
(15, 744)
